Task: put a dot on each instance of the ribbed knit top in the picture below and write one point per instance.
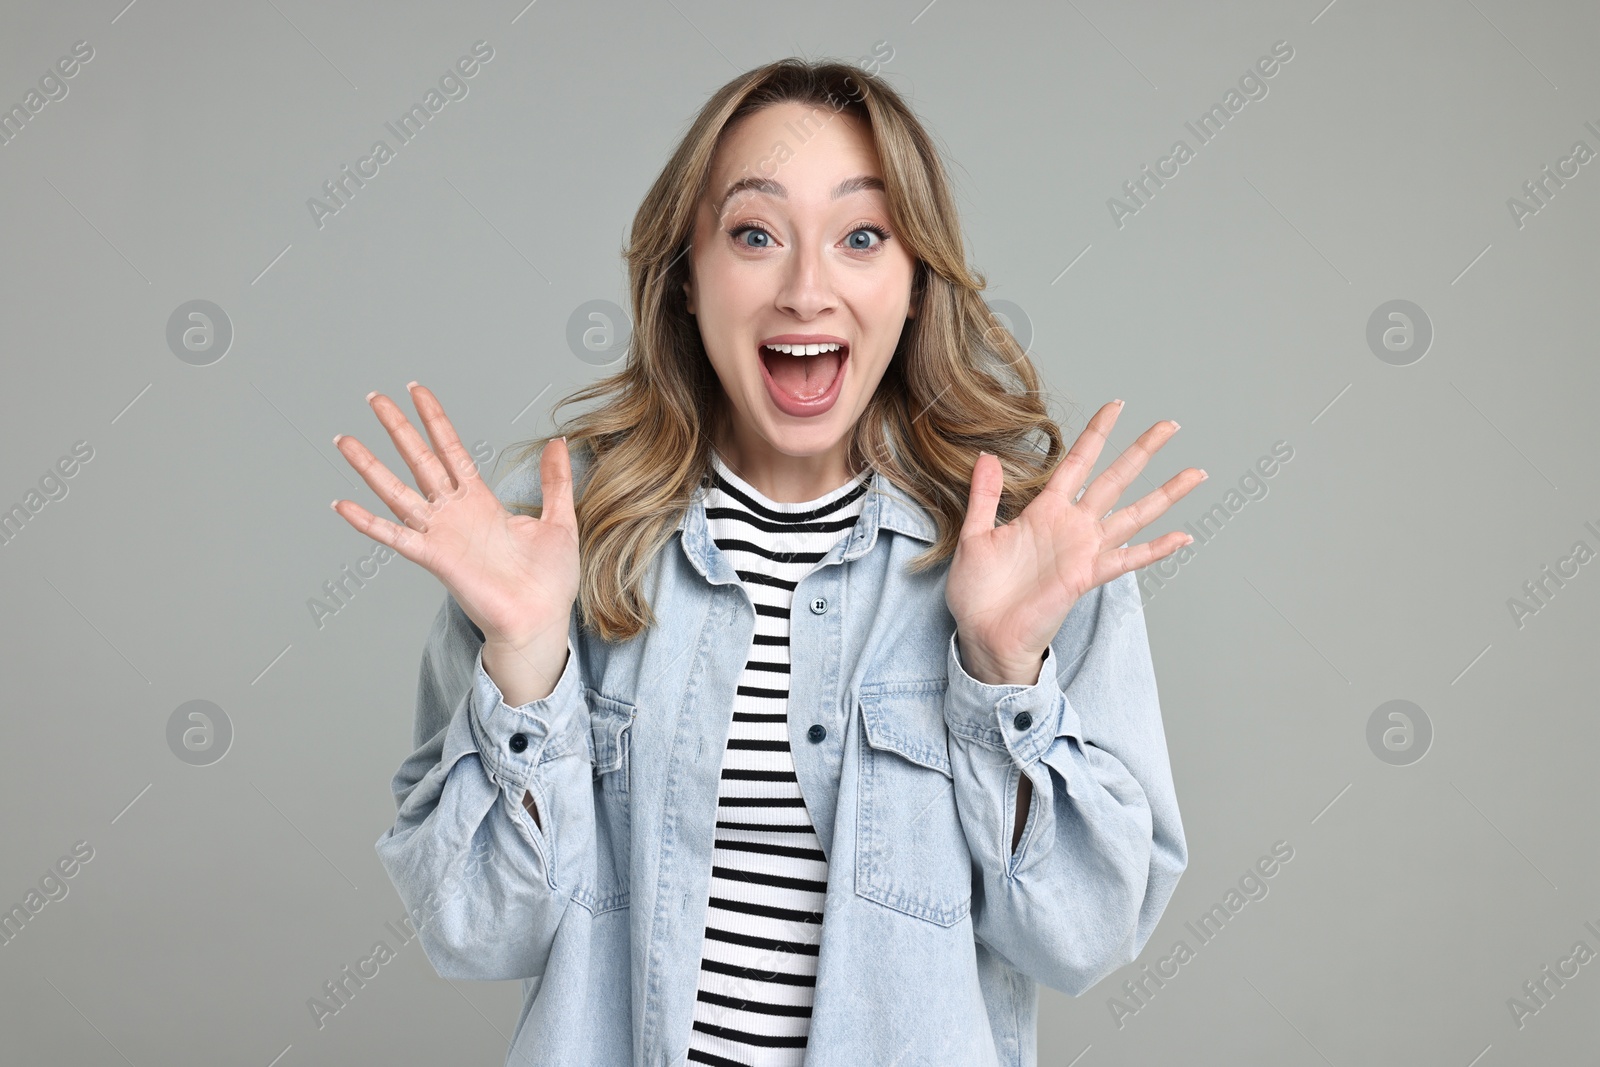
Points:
(758, 961)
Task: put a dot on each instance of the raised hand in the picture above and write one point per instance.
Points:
(515, 576)
(1010, 587)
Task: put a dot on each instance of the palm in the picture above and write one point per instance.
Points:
(1011, 587)
(514, 575)
(1016, 583)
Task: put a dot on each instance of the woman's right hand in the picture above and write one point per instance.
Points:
(515, 576)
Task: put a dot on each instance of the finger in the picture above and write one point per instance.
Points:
(433, 481)
(402, 539)
(1102, 494)
(1074, 468)
(401, 498)
(555, 483)
(458, 462)
(1113, 564)
(1123, 524)
(983, 495)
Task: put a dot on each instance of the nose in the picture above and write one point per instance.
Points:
(807, 287)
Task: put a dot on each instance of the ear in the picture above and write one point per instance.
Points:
(688, 295)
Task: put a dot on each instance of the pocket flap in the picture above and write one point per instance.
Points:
(908, 718)
(609, 719)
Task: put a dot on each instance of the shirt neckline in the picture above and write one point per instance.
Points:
(725, 472)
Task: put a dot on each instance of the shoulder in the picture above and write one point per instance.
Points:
(521, 484)
(1108, 618)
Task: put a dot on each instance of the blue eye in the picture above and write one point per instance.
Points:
(878, 231)
(749, 227)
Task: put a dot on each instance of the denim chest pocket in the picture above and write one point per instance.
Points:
(610, 730)
(911, 853)
(605, 885)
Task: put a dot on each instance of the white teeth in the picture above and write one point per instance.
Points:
(804, 350)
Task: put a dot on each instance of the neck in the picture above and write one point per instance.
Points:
(784, 478)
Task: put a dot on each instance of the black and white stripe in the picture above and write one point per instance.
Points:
(758, 962)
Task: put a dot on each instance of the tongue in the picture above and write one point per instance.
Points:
(802, 377)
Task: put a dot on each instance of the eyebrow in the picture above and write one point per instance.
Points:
(859, 183)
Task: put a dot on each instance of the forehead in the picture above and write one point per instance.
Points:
(806, 149)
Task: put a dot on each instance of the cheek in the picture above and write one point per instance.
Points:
(728, 295)
(890, 291)
(869, 373)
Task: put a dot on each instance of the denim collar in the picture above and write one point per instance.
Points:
(886, 507)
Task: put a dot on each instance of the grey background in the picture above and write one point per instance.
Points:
(1378, 566)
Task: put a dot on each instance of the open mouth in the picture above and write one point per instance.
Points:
(805, 374)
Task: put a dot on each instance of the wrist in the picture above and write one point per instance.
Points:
(523, 643)
(992, 668)
(526, 674)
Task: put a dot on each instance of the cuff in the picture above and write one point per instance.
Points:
(512, 742)
(1023, 719)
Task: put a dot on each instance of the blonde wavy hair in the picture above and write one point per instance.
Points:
(958, 382)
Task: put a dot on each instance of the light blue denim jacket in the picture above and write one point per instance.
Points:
(934, 934)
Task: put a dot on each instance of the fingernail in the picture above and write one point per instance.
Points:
(371, 395)
(1175, 425)
(1203, 474)
(336, 439)
(411, 384)
(334, 505)
(1119, 403)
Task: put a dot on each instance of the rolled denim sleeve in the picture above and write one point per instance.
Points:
(1103, 846)
(481, 880)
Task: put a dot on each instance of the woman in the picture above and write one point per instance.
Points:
(849, 769)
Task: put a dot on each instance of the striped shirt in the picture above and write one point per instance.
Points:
(758, 960)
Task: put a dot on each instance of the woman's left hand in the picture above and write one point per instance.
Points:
(1010, 587)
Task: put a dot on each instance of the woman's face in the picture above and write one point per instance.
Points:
(800, 252)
